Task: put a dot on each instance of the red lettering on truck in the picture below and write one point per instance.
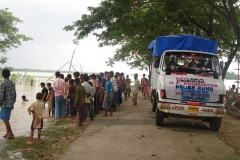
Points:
(175, 107)
(208, 110)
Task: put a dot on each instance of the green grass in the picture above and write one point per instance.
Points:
(54, 140)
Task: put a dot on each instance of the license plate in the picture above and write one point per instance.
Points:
(193, 109)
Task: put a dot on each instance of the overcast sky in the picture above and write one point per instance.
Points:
(52, 47)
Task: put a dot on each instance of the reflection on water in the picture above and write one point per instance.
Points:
(20, 119)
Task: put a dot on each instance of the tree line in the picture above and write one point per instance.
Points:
(231, 75)
(133, 24)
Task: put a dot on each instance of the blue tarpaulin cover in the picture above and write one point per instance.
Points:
(181, 42)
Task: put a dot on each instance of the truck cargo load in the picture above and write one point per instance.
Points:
(181, 42)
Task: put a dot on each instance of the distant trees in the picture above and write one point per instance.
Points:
(231, 75)
(9, 36)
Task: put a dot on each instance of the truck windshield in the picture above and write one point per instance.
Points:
(191, 63)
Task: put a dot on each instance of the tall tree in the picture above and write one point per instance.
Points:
(129, 22)
(9, 36)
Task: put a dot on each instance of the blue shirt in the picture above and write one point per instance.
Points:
(108, 87)
(7, 93)
(103, 82)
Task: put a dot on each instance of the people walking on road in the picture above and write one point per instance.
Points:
(36, 109)
(135, 89)
(59, 89)
(109, 94)
(115, 87)
(79, 100)
(146, 89)
(7, 100)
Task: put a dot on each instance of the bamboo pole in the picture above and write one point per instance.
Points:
(71, 62)
(59, 70)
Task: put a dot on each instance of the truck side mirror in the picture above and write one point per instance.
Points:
(156, 62)
(222, 64)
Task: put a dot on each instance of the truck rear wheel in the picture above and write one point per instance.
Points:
(159, 117)
(215, 123)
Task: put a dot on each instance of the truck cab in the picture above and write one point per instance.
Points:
(187, 82)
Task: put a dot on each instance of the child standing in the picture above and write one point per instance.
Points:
(36, 109)
(146, 89)
(50, 100)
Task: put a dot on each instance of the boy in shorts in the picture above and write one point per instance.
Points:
(36, 109)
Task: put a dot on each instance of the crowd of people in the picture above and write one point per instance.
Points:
(82, 95)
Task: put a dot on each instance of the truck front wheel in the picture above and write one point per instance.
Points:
(154, 104)
(215, 123)
(159, 117)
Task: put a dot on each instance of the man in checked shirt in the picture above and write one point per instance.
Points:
(7, 100)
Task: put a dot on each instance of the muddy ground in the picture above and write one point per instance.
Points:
(131, 133)
(230, 131)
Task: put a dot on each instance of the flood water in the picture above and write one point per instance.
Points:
(20, 120)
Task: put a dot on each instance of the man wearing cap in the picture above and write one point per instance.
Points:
(44, 92)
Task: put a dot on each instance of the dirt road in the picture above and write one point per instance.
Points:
(131, 134)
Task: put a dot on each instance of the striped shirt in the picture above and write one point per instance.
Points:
(7, 93)
(120, 84)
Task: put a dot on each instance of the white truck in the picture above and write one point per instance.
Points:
(186, 79)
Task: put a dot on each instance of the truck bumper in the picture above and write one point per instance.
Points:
(190, 110)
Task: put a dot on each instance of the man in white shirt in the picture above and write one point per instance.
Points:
(115, 87)
(135, 89)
